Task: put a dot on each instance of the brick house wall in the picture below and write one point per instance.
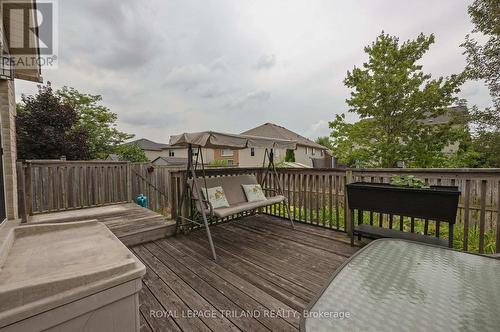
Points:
(8, 132)
(235, 157)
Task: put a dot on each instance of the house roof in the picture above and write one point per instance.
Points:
(172, 160)
(112, 157)
(452, 113)
(146, 144)
(272, 130)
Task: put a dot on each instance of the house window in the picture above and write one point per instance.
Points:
(226, 153)
(171, 153)
(312, 151)
(321, 153)
(230, 163)
(252, 152)
(306, 149)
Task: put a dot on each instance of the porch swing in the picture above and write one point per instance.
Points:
(196, 185)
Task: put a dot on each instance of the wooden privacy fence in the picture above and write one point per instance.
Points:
(316, 196)
(154, 182)
(53, 185)
(50, 186)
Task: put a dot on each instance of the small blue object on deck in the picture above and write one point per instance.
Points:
(142, 200)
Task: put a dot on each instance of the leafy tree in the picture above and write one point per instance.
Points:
(325, 141)
(132, 153)
(97, 119)
(393, 96)
(68, 123)
(290, 156)
(483, 63)
(46, 128)
(352, 142)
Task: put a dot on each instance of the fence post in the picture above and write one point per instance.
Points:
(173, 197)
(482, 215)
(21, 192)
(497, 247)
(129, 182)
(28, 190)
(347, 220)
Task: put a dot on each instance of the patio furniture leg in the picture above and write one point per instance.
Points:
(289, 214)
(351, 217)
(360, 221)
(450, 234)
(203, 213)
(209, 235)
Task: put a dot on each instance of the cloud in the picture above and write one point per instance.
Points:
(251, 98)
(189, 76)
(266, 61)
(172, 66)
(318, 129)
(113, 35)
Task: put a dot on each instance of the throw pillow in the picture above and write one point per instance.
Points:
(216, 197)
(254, 192)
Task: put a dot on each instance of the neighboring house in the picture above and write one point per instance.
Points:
(13, 32)
(307, 154)
(112, 157)
(306, 151)
(170, 161)
(151, 149)
(454, 115)
(154, 150)
(230, 157)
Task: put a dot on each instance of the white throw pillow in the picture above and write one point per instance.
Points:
(216, 197)
(254, 192)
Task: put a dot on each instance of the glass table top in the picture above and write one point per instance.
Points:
(406, 286)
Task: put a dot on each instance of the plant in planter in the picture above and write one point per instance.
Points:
(408, 181)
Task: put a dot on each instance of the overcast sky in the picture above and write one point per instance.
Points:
(170, 66)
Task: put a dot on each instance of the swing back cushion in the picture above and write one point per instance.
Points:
(235, 195)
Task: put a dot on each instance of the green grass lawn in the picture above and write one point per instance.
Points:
(328, 218)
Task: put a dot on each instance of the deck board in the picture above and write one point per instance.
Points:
(131, 223)
(265, 276)
(269, 259)
(274, 284)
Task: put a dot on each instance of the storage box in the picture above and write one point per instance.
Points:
(68, 277)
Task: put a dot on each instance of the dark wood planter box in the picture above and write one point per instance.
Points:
(436, 203)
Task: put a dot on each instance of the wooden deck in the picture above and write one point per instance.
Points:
(265, 276)
(131, 223)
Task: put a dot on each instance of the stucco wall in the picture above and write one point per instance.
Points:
(152, 155)
(301, 156)
(246, 160)
(208, 154)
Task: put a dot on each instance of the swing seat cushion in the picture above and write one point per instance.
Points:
(235, 195)
(247, 206)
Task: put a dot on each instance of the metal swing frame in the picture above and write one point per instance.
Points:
(182, 222)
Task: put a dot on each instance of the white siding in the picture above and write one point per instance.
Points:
(208, 154)
(246, 160)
